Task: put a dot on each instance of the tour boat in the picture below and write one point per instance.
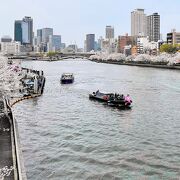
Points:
(67, 78)
(112, 99)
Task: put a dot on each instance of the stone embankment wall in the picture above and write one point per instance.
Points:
(138, 64)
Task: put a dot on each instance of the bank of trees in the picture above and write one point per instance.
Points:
(169, 48)
(52, 54)
(10, 75)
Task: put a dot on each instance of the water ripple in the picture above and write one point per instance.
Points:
(66, 136)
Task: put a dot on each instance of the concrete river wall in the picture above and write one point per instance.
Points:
(11, 162)
(138, 64)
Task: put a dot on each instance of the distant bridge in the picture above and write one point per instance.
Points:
(75, 55)
(35, 56)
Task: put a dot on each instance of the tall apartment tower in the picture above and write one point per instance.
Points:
(23, 30)
(138, 23)
(109, 32)
(90, 42)
(153, 27)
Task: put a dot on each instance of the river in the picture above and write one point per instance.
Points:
(66, 136)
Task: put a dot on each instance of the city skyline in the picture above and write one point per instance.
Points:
(73, 20)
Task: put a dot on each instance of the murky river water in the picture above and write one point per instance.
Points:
(65, 136)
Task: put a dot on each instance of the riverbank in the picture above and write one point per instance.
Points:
(137, 64)
(39, 90)
(11, 159)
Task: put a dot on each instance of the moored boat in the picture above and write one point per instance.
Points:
(116, 100)
(67, 78)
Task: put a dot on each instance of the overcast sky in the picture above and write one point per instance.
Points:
(73, 19)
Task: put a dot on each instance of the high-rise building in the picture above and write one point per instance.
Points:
(109, 32)
(23, 30)
(18, 31)
(153, 27)
(46, 32)
(173, 37)
(25, 33)
(138, 23)
(29, 28)
(35, 41)
(54, 43)
(39, 36)
(90, 41)
(100, 42)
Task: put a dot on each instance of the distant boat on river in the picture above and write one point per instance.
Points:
(116, 100)
(67, 78)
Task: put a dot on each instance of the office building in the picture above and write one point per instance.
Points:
(35, 41)
(46, 32)
(13, 47)
(100, 42)
(6, 39)
(109, 32)
(39, 36)
(28, 21)
(54, 43)
(145, 46)
(153, 27)
(138, 23)
(18, 31)
(124, 41)
(141, 43)
(23, 30)
(173, 37)
(74, 47)
(90, 41)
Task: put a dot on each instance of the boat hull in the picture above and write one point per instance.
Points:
(67, 81)
(98, 98)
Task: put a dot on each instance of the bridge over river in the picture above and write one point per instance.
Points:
(35, 56)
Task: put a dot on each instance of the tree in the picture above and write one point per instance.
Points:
(10, 75)
(169, 48)
(51, 54)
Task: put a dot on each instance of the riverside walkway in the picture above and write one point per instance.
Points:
(11, 158)
(7, 169)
